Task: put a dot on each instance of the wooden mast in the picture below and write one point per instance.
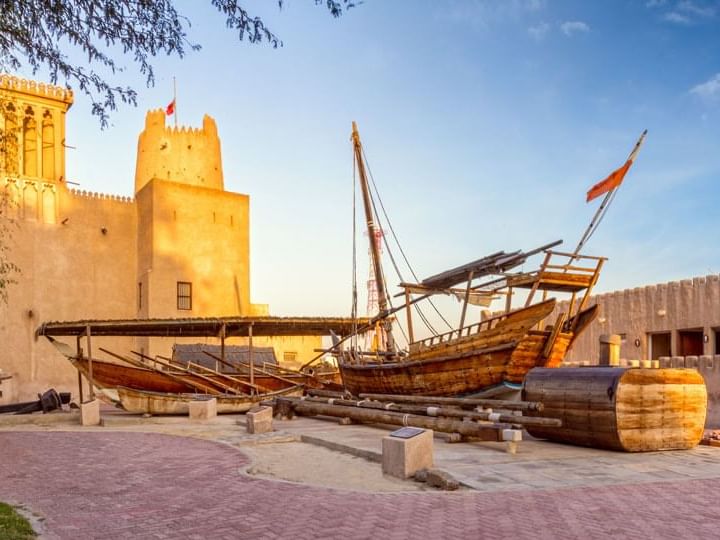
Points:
(372, 230)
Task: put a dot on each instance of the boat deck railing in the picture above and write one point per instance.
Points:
(456, 334)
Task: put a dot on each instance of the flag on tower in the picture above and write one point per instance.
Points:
(170, 109)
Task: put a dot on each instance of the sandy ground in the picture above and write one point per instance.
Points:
(310, 464)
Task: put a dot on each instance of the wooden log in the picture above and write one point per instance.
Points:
(440, 412)
(629, 409)
(459, 401)
(317, 392)
(485, 432)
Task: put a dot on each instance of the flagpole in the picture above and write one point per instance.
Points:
(175, 101)
(595, 221)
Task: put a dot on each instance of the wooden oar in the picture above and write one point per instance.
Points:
(259, 370)
(176, 378)
(258, 387)
(222, 386)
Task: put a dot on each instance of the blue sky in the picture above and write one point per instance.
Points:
(484, 123)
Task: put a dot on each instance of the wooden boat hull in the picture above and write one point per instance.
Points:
(628, 409)
(111, 375)
(470, 364)
(159, 403)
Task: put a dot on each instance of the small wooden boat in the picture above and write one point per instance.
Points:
(113, 375)
(628, 409)
(145, 402)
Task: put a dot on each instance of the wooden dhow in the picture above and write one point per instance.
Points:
(498, 350)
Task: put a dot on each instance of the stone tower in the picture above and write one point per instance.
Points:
(179, 154)
(32, 117)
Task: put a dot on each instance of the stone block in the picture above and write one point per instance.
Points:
(633, 363)
(665, 362)
(202, 409)
(655, 364)
(646, 364)
(678, 361)
(691, 362)
(259, 420)
(402, 458)
(90, 413)
(705, 362)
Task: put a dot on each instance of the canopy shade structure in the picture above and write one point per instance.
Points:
(205, 327)
(497, 263)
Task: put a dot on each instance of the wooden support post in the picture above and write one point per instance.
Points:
(90, 363)
(250, 356)
(411, 335)
(222, 347)
(467, 299)
(535, 286)
(79, 357)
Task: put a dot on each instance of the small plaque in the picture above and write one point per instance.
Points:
(407, 432)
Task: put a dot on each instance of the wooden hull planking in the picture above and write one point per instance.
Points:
(628, 409)
(111, 375)
(144, 402)
(469, 364)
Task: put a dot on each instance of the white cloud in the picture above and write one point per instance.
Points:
(677, 18)
(572, 27)
(691, 7)
(539, 31)
(709, 90)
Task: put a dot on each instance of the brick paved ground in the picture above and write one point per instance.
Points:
(91, 485)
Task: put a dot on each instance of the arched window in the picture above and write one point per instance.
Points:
(9, 141)
(29, 143)
(48, 146)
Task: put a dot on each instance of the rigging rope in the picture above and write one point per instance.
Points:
(402, 252)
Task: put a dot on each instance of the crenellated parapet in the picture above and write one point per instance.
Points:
(101, 196)
(36, 89)
(179, 153)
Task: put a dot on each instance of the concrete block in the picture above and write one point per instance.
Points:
(655, 364)
(705, 362)
(665, 362)
(90, 413)
(716, 362)
(402, 458)
(202, 409)
(646, 364)
(691, 362)
(633, 363)
(678, 361)
(259, 420)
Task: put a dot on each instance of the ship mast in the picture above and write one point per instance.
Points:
(372, 228)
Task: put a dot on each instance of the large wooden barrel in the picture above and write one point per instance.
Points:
(630, 409)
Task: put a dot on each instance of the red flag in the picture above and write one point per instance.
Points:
(170, 109)
(611, 182)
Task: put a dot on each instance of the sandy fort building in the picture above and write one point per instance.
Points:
(178, 248)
